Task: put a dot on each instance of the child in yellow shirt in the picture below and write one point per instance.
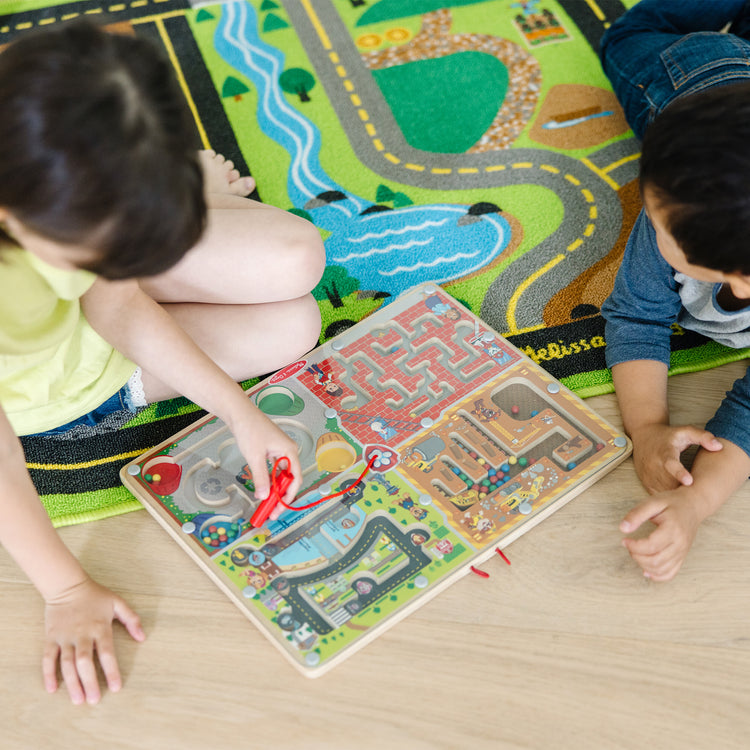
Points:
(132, 269)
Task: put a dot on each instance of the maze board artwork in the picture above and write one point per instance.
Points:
(473, 444)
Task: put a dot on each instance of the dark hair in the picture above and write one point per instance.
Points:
(696, 162)
(97, 148)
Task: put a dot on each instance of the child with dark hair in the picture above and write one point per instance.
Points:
(682, 73)
(122, 246)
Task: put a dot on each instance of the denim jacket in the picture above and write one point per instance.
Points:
(648, 297)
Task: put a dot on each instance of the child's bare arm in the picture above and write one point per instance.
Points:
(641, 387)
(141, 329)
(678, 513)
(79, 612)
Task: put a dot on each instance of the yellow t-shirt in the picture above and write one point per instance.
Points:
(53, 366)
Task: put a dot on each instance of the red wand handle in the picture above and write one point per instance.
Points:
(281, 478)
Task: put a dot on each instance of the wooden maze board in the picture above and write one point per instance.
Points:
(473, 445)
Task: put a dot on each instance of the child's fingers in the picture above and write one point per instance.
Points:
(49, 666)
(688, 435)
(70, 674)
(676, 469)
(667, 574)
(653, 564)
(662, 566)
(296, 469)
(640, 514)
(129, 619)
(707, 440)
(649, 547)
(87, 677)
(261, 478)
(105, 650)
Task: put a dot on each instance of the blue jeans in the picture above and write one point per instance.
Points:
(120, 401)
(663, 49)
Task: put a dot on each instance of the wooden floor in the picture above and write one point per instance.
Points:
(569, 647)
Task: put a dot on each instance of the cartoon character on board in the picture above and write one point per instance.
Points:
(483, 412)
(383, 429)
(324, 378)
(441, 309)
(494, 351)
(481, 524)
(407, 503)
(255, 579)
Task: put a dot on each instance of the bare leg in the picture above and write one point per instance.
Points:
(249, 253)
(243, 292)
(245, 340)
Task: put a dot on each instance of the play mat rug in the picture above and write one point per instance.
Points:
(476, 144)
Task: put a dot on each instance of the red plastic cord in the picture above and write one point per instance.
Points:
(322, 499)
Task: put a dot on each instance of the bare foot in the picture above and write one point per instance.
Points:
(220, 176)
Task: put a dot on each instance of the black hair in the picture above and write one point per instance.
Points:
(98, 149)
(695, 161)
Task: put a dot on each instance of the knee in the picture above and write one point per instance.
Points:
(307, 325)
(621, 39)
(313, 324)
(306, 260)
(618, 32)
(604, 48)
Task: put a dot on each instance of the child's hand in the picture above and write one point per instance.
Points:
(79, 623)
(656, 454)
(662, 553)
(261, 441)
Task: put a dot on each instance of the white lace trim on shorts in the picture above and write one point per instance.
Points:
(137, 396)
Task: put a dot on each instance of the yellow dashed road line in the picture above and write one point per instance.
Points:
(115, 8)
(317, 25)
(574, 245)
(602, 173)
